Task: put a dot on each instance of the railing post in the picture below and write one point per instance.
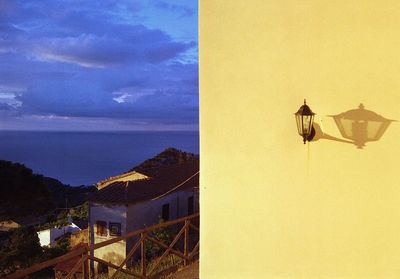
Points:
(186, 242)
(143, 255)
(85, 265)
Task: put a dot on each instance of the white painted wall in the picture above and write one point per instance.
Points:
(149, 212)
(114, 253)
(44, 237)
(48, 237)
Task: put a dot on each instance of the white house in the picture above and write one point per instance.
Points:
(49, 236)
(162, 192)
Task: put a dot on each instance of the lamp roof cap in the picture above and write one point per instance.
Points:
(304, 110)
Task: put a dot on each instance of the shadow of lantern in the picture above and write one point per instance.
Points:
(361, 125)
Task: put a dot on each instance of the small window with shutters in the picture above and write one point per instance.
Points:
(165, 212)
(190, 205)
(101, 228)
(115, 229)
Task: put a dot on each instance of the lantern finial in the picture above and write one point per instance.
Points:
(304, 101)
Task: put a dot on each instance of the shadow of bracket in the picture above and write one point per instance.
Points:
(319, 134)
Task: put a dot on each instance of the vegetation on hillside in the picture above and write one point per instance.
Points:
(22, 192)
(66, 196)
(162, 234)
(78, 213)
(169, 156)
(22, 249)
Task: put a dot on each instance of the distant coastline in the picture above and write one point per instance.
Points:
(85, 157)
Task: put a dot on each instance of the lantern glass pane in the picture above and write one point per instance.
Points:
(299, 126)
(307, 124)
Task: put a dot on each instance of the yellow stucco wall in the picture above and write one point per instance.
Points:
(272, 207)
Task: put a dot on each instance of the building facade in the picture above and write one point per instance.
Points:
(167, 193)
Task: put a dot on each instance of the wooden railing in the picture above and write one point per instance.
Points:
(143, 235)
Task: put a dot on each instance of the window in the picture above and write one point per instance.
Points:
(101, 228)
(115, 229)
(190, 205)
(165, 212)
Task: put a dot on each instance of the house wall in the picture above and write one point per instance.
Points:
(44, 237)
(271, 206)
(116, 252)
(149, 212)
(57, 232)
(47, 237)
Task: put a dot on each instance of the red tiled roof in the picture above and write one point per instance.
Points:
(162, 180)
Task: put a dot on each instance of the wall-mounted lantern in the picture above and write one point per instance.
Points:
(361, 125)
(304, 119)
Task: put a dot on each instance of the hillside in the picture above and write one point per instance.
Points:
(25, 193)
(22, 192)
(169, 156)
(63, 195)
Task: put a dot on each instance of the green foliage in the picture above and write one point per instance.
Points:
(61, 248)
(77, 213)
(58, 222)
(21, 250)
(80, 212)
(164, 235)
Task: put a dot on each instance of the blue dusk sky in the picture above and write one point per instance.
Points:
(98, 65)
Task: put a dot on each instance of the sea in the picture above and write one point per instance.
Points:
(83, 158)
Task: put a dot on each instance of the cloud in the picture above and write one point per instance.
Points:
(98, 60)
(130, 95)
(136, 44)
(89, 35)
(160, 95)
(6, 107)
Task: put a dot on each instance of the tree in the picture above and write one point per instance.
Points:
(21, 250)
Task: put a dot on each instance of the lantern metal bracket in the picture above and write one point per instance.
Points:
(310, 136)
